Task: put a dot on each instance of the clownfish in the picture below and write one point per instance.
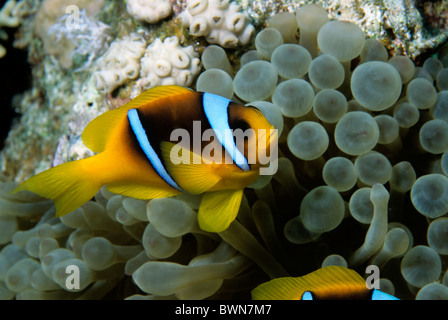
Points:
(136, 157)
(328, 283)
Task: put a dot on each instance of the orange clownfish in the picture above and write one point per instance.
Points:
(136, 156)
(328, 283)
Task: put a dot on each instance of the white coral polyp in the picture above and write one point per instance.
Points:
(7, 19)
(120, 63)
(150, 11)
(168, 63)
(219, 21)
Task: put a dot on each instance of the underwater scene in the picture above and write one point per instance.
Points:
(224, 150)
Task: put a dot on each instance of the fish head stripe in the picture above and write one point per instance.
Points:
(215, 109)
(145, 145)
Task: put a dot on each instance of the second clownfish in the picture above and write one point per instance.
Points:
(328, 283)
(135, 154)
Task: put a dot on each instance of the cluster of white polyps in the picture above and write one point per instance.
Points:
(7, 19)
(218, 21)
(168, 63)
(120, 63)
(150, 11)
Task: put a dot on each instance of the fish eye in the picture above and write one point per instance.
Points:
(307, 295)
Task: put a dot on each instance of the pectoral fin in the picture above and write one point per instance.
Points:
(218, 209)
(193, 173)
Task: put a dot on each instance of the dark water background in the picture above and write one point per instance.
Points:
(15, 78)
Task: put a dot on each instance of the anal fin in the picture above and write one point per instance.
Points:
(218, 209)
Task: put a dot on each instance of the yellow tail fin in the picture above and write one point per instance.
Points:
(69, 185)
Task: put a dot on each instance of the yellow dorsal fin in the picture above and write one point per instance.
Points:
(190, 171)
(333, 279)
(97, 132)
(140, 191)
(218, 209)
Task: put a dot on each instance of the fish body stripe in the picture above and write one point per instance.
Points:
(374, 295)
(142, 138)
(379, 295)
(215, 109)
(307, 296)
